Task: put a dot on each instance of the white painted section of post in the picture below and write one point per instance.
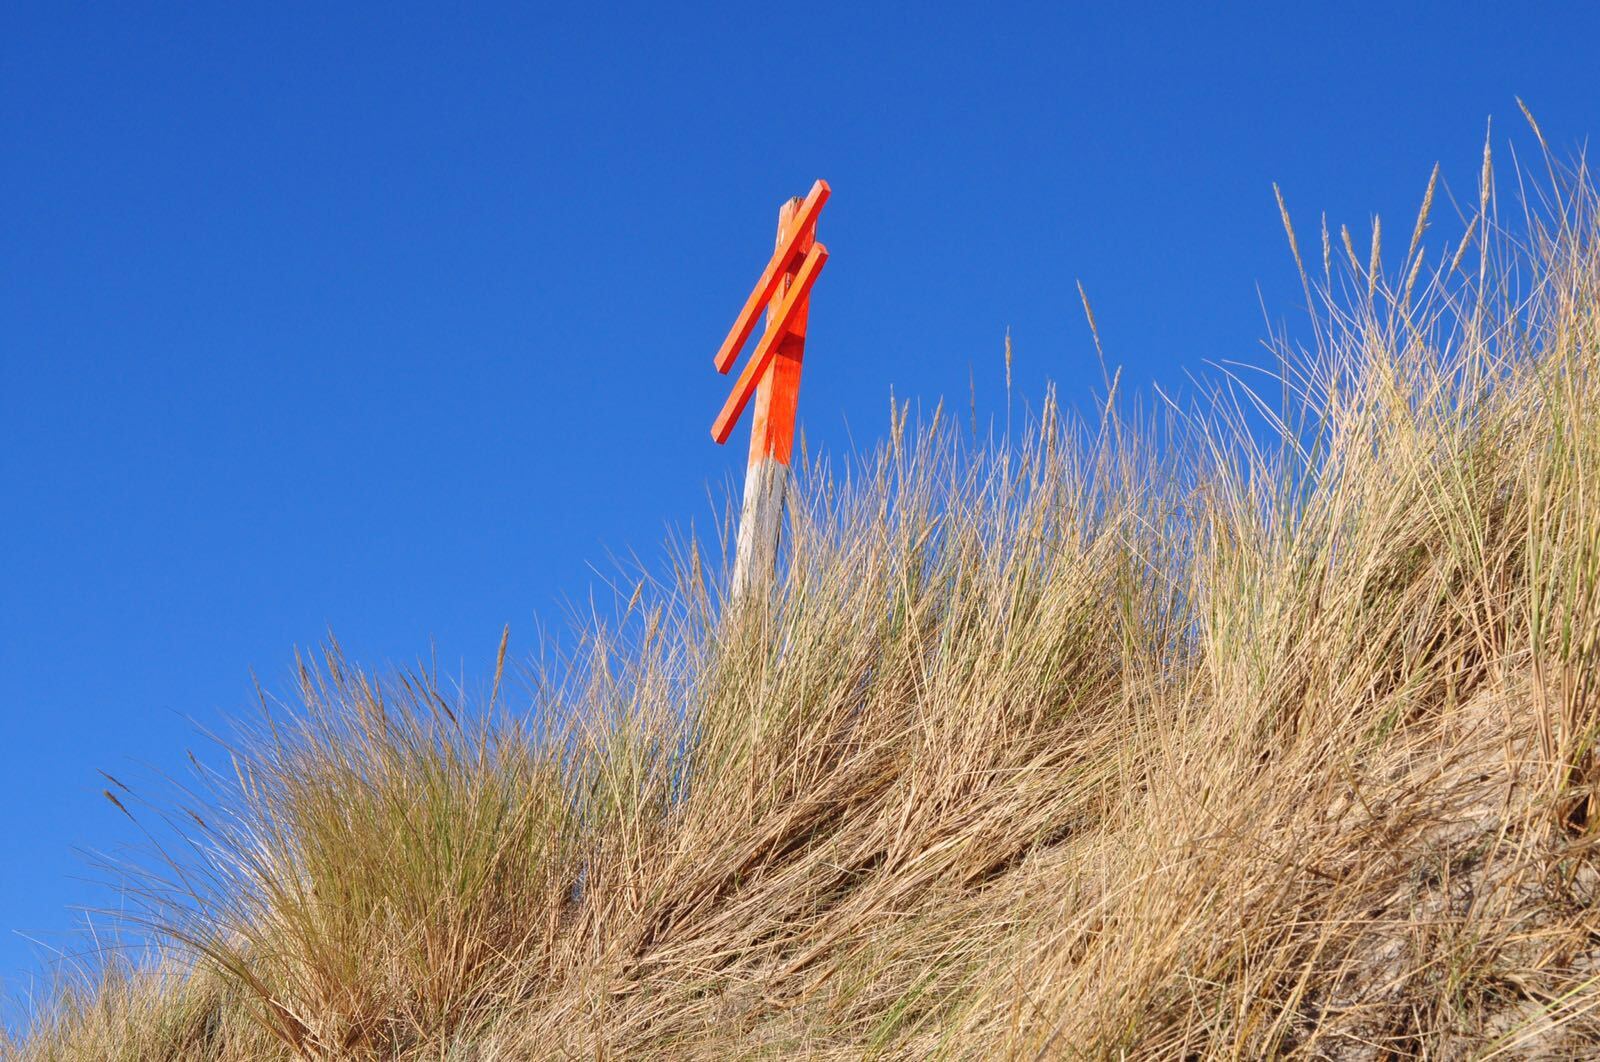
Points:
(766, 485)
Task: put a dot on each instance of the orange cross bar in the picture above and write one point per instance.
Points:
(800, 229)
(794, 300)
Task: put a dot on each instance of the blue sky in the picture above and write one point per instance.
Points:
(398, 321)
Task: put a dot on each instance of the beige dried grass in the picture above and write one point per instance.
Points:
(1139, 739)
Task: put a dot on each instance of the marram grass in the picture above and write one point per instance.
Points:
(1135, 738)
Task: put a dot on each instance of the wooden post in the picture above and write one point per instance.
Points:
(772, 378)
(766, 477)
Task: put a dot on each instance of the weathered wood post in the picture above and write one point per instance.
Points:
(772, 377)
(766, 476)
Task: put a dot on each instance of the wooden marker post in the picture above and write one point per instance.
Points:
(772, 377)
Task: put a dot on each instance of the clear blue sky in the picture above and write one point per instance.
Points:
(399, 321)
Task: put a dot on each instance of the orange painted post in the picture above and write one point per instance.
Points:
(772, 378)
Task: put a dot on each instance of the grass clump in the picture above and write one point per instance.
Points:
(1172, 736)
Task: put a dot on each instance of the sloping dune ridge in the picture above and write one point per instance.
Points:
(1223, 727)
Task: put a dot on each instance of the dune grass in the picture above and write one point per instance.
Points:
(1231, 731)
